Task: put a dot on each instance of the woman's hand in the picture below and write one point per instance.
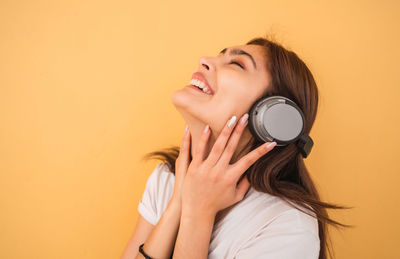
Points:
(210, 185)
(181, 165)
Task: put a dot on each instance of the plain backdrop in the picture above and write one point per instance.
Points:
(85, 91)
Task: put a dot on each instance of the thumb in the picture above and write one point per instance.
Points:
(184, 152)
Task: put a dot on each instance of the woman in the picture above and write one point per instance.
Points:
(225, 193)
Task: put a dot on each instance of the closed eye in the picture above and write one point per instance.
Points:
(233, 62)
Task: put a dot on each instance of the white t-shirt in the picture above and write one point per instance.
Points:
(260, 226)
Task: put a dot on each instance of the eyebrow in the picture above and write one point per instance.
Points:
(239, 52)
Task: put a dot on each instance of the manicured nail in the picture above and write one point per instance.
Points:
(232, 121)
(186, 128)
(206, 129)
(270, 145)
(244, 118)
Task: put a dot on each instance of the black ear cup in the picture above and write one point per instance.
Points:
(277, 118)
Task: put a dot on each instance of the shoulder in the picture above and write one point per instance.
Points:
(285, 214)
(295, 220)
(161, 184)
(287, 232)
(161, 175)
(157, 194)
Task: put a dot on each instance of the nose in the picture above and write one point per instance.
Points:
(207, 62)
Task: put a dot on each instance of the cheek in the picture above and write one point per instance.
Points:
(239, 83)
(229, 79)
(233, 102)
(238, 91)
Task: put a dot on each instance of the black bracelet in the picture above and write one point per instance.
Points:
(143, 253)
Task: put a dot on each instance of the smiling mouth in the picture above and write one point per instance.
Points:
(198, 89)
(202, 85)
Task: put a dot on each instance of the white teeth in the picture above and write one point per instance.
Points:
(201, 85)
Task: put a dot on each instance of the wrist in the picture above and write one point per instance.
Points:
(197, 222)
(174, 204)
(197, 214)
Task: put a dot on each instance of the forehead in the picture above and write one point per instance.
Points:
(256, 51)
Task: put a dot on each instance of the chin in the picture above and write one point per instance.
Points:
(186, 106)
(179, 99)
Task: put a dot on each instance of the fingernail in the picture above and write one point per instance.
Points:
(270, 145)
(244, 118)
(186, 128)
(206, 129)
(232, 121)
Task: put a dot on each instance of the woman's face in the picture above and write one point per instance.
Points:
(235, 89)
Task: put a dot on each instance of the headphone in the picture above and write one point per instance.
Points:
(277, 118)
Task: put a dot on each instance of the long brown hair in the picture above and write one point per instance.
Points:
(282, 172)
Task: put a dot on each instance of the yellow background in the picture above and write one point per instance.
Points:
(85, 92)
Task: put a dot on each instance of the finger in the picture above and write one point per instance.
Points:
(199, 154)
(183, 158)
(246, 161)
(220, 143)
(242, 188)
(233, 141)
